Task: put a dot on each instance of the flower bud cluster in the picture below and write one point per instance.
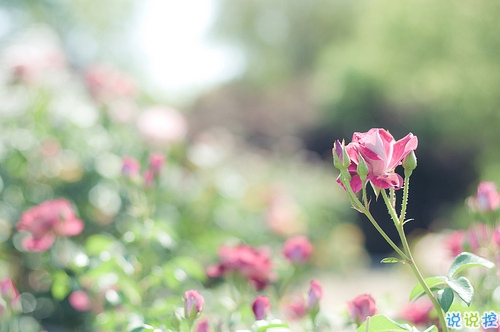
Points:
(131, 169)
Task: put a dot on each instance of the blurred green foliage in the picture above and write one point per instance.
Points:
(64, 133)
(428, 67)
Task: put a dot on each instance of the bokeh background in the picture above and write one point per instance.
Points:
(265, 88)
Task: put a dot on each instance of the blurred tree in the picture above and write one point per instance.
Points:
(282, 39)
(88, 30)
(430, 68)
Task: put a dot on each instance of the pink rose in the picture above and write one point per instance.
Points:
(254, 264)
(202, 326)
(455, 242)
(48, 221)
(361, 307)
(193, 304)
(382, 154)
(80, 300)
(417, 313)
(294, 307)
(297, 249)
(283, 215)
(10, 295)
(107, 83)
(261, 306)
(486, 199)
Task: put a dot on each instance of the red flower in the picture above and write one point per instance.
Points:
(47, 221)
(251, 263)
(361, 307)
(382, 154)
(297, 249)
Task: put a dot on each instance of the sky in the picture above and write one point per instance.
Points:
(179, 57)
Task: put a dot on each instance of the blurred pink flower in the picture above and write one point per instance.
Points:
(202, 326)
(382, 153)
(361, 307)
(162, 125)
(252, 263)
(193, 304)
(417, 313)
(80, 300)
(294, 307)
(148, 178)
(476, 238)
(10, 295)
(47, 221)
(314, 297)
(156, 161)
(32, 61)
(496, 237)
(487, 198)
(297, 249)
(130, 167)
(261, 306)
(283, 214)
(106, 83)
(455, 242)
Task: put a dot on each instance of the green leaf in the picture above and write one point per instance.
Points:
(60, 285)
(381, 323)
(432, 282)
(466, 260)
(432, 328)
(391, 260)
(97, 243)
(463, 288)
(445, 298)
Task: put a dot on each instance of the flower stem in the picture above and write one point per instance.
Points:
(406, 248)
(364, 209)
(421, 280)
(404, 203)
